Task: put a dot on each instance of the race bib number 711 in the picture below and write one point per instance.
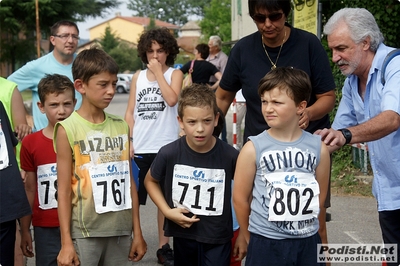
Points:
(199, 190)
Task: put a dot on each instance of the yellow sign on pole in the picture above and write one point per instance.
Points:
(306, 15)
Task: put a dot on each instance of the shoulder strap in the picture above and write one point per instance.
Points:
(191, 67)
(389, 57)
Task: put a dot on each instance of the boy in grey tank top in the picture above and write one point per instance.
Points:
(281, 178)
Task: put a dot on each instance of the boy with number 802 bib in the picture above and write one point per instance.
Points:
(97, 202)
(281, 178)
(196, 172)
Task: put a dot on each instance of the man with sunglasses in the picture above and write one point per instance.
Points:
(64, 37)
(278, 44)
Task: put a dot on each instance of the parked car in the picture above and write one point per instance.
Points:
(124, 83)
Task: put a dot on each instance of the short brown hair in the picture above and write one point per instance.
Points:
(197, 95)
(295, 82)
(58, 24)
(91, 62)
(54, 83)
(203, 49)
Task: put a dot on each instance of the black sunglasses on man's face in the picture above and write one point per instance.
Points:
(260, 18)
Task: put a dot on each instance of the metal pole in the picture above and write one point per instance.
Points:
(319, 24)
(37, 28)
(234, 121)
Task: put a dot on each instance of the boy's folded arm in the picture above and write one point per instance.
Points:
(174, 214)
(177, 215)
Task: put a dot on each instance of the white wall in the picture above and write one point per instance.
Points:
(242, 24)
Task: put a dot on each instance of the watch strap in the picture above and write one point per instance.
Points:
(346, 134)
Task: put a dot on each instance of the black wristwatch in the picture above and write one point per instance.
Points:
(346, 134)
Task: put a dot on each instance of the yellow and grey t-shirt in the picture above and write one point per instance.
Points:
(101, 199)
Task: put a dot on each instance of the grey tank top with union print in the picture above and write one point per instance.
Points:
(285, 194)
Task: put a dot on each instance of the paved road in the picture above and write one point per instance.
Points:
(354, 219)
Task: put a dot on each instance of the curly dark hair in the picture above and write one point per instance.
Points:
(164, 38)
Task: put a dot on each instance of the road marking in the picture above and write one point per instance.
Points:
(354, 236)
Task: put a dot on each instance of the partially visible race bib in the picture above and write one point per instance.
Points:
(3, 150)
(47, 186)
(295, 196)
(199, 190)
(111, 186)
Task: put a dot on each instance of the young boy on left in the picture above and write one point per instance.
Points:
(13, 201)
(38, 159)
(98, 206)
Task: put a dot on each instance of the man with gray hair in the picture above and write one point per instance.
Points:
(217, 57)
(369, 109)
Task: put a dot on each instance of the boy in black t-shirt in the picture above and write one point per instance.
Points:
(196, 171)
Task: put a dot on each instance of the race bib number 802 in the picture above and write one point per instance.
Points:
(295, 196)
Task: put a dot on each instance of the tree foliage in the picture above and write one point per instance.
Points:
(18, 23)
(217, 21)
(172, 11)
(386, 13)
(109, 40)
(125, 56)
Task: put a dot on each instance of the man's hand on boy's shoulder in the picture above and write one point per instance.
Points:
(181, 217)
(138, 249)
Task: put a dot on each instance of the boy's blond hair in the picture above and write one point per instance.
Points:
(91, 62)
(54, 83)
(197, 95)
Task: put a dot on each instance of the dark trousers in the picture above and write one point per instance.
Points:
(390, 226)
(264, 251)
(189, 252)
(143, 161)
(7, 242)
